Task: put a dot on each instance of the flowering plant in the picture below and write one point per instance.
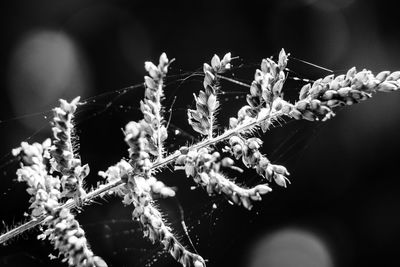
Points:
(54, 173)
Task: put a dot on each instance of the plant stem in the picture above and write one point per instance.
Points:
(68, 205)
(245, 126)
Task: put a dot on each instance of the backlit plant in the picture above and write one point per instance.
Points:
(54, 173)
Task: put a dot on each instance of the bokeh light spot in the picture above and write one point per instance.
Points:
(46, 65)
(290, 248)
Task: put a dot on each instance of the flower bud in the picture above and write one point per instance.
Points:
(227, 162)
(152, 70)
(381, 76)
(280, 179)
(216, 63)
(237, 151)
(233, 122)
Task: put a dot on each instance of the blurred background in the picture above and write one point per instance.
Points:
(342, 206)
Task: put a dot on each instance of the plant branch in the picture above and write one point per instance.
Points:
(245, 126)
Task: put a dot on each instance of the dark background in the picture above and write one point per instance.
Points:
(342, 206)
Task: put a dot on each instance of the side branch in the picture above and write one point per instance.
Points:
(68, 205)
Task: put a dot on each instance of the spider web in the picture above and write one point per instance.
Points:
(199, 222)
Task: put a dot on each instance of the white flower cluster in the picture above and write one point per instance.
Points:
(265, 89)
(318, 99)
(205, 168)
(151, 106)
(138, 191)
(65, 233)
(155, 229)
(43, 187)
(63, 158)
(202, 119)
(38, 162)
(248, 150)
(139, 155)
(122, 170)
(140, 187)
